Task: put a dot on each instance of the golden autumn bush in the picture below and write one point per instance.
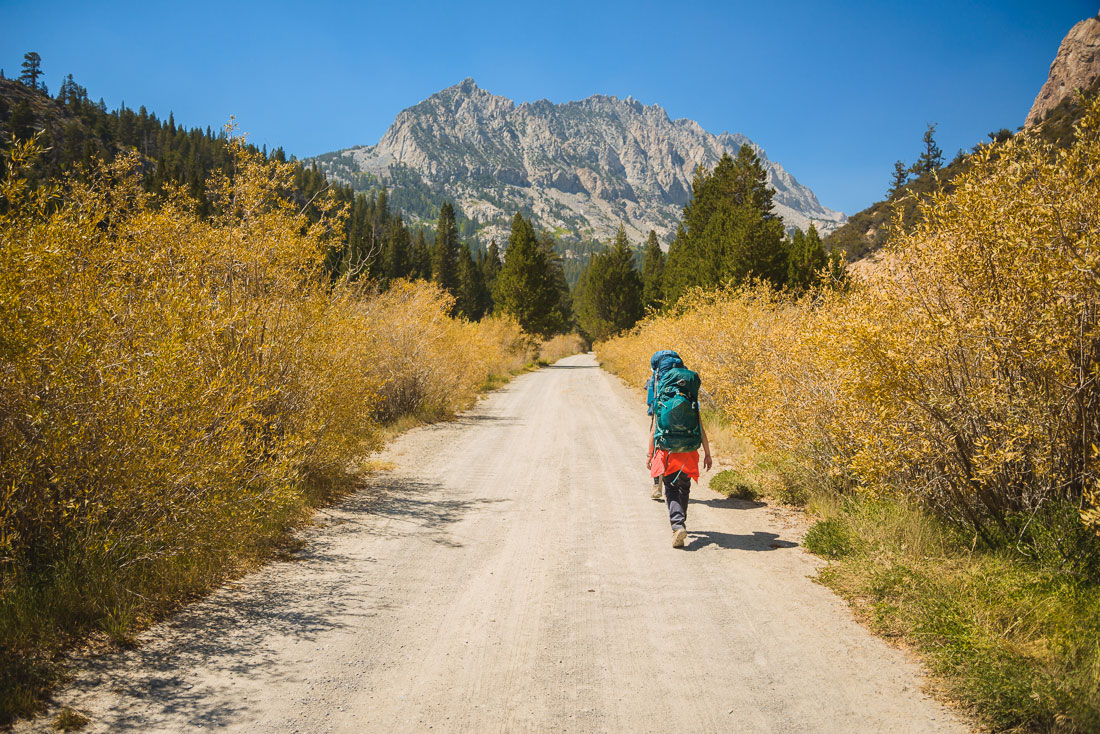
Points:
(942, 408)
(561, 346)
(755, 349)
(173, 388)
(962, 371)
(428, 364)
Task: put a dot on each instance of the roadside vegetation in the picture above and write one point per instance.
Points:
(180, 382)
(940, 414)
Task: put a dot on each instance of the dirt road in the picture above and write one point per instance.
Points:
(511, 574)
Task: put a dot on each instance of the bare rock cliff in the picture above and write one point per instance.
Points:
(581, 168)
(1075, 67)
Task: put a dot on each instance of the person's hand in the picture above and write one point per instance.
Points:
(706, 461)
(648, 461)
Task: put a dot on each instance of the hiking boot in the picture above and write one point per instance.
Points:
(678, 537)
(657, 493)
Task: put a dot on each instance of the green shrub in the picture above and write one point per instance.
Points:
(732, 483)
(829, 538)
(793, 494)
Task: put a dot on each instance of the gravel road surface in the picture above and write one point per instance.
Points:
(511, 574)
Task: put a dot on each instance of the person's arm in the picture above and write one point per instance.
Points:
(652, 440)
(706, 447)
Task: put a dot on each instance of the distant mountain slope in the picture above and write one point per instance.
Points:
(579, 168)
(1053, 115)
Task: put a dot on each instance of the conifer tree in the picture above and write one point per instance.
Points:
(729, 230)
(806, 259)
(526, 287)
(471, 296)
(32, 69)
(421, 266)
(445, 250)
(609, 294)
(397, 254)
(490, 266)
(932, 157)
(556, 269)
(901, 177)
(22, 120)
(653, 268)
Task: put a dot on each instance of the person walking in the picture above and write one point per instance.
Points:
(673, 452)
(661, 361)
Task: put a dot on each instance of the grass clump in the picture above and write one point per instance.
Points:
(1014, 641)
(829, 538)
(70, 720)
(733, 483)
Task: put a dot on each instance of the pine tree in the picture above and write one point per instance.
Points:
(397, 254)
(932, 157)
(729, 230)
(806, 258)
(421, 265)
(490, 266)
(653, 268)
(526, 287)
(445, 250)
(471, 298)
(22, 120)
(609, 294)
(556, 269)
(901, 177)
(32, 69)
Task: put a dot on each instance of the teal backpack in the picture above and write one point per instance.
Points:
(677, 411)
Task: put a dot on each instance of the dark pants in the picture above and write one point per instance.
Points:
(677, 488)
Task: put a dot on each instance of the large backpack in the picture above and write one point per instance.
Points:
(677, 411)
(660, 363)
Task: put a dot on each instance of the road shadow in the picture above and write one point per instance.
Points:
(474, 419)
(730, 503)
(419, 508)
(228, 637)
(758, 541)
(572, 367)
(235, 635)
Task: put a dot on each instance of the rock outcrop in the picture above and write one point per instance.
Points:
(1075, 67)
(580, 167)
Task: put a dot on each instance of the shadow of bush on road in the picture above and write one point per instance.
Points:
(730, 503)
(227, 635)
(758, 541)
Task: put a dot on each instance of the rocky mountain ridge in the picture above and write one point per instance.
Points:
(580, 168)
(1075, 67)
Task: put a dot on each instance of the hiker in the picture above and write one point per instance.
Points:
(673, 452)
(661, 361)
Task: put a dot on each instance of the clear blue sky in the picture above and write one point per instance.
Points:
(835, 91)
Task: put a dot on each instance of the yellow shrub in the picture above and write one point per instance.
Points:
(561, 346)
(756, 354)
(166, 379)
(173, 387)
(428, 363)
(963, 370)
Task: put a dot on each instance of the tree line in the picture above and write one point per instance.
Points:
(377, 244)
(729, 232)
